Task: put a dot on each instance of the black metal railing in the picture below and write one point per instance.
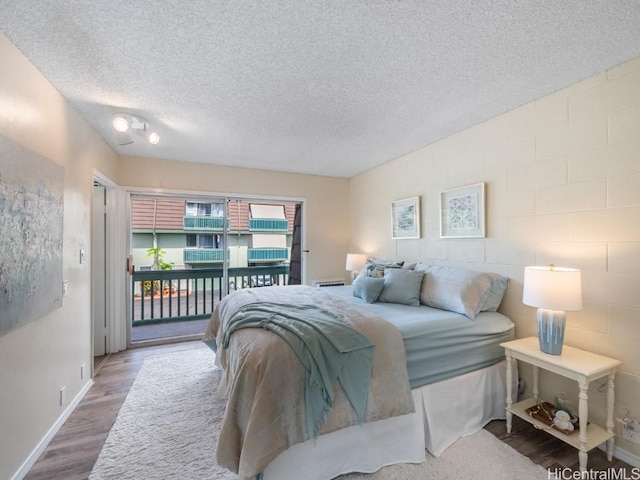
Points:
(162, 296)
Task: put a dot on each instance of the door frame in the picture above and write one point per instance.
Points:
(114, 278)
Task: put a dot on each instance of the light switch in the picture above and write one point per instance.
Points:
(82, 256)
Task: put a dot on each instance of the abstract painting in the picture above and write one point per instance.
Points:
(462, 212)
(405, 218)
(31, 228)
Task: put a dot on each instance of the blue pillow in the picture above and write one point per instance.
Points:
(368, 288)
(401, 286)
(493, 297)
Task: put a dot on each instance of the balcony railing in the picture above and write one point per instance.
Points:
(163, 296)
(268, 225)
(203, 255)
(203, 223)
(268, 254)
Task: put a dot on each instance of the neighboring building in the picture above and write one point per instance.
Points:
(191, 233)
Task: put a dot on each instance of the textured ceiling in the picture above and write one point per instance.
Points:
(323, 87)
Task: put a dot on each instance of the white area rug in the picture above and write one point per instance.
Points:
(167, 429)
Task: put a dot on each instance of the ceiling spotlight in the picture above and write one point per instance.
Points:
(125, 123)
(154, 138)
(120, 123)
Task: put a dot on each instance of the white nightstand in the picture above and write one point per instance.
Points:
(578, 365)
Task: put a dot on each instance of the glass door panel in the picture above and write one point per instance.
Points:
(190, 252)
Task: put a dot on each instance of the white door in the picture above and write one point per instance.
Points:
(98, 247)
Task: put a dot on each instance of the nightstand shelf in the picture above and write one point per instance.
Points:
(575, 364)
(595, 434)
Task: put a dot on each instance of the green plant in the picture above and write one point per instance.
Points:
(562, 403)
(149, 287)
(158, 255)
(153, 286)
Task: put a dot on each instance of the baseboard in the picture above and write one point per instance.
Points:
(625, 456)
(35, 454)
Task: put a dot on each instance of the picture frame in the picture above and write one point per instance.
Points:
(405, 218)
(462, 212)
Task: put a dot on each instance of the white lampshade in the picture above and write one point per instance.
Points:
(355, 262)
(553, 288)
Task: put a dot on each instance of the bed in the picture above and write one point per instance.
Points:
(440, 344)
(424, 358)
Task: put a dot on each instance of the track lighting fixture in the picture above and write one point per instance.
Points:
(123, 124)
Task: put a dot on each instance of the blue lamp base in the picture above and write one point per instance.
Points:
(551, 330)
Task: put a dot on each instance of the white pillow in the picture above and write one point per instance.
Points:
(454, 289)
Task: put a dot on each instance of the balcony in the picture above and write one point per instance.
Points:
(268, 255)
(203, 255)
(272, 225)
(204, 223)
(167, 296)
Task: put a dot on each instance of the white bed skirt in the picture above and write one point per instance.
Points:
(445, 411)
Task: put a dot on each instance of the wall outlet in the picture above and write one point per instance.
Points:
(631, 431)
(82, 368)
(63, 395)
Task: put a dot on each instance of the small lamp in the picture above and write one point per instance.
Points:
(355, 262)
(553, 290)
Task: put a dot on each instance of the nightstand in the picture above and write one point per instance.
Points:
(578, 365)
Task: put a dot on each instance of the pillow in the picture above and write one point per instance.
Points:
(455, 289)
(494, 295)
(401, 286)
(375, 267)
(368, 288)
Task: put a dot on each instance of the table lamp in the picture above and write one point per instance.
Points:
(355, 262)
(554, 290)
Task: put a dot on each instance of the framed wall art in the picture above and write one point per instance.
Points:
(405, 218)
(462, 212)
(31, 235)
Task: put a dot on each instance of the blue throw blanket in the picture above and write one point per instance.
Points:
(327, 347)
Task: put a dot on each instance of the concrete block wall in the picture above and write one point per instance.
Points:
(562, 179)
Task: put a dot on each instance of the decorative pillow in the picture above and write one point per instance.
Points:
(375, 267)
(368, 288)
(494, 295)
(454, 289)
(409, 266)
(401, 286)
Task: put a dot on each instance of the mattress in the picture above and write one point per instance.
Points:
(440, 344)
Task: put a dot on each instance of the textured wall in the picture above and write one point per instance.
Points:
(39, 358)
(562, 177)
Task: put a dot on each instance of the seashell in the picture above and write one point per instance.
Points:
(563, 424)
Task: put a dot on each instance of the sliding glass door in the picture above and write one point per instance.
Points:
(188, 253)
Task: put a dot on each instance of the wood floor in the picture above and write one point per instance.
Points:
(75, 448)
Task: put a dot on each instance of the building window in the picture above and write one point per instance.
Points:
(196, 209)
(198, 240)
